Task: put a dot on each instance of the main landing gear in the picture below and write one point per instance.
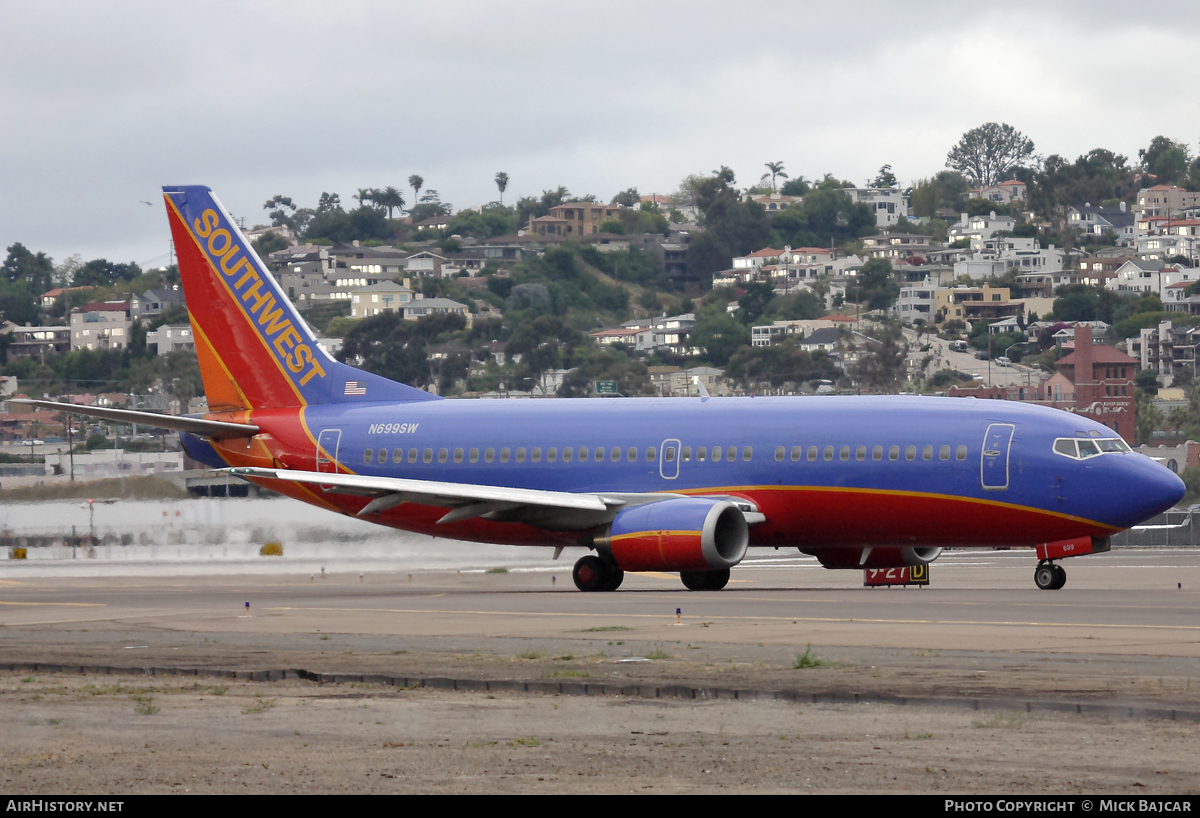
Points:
(705, 580)
(1049, 576)
(594, 574)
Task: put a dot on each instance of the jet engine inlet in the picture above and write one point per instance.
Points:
(682, 534)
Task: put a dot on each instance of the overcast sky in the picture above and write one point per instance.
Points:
(103, 103)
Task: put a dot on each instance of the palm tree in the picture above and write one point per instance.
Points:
(416, 182)
(774, 169)
(364, 195)
(502, 183)
(389, 198)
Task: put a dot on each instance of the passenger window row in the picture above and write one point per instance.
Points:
(859, 453)
(535, 454)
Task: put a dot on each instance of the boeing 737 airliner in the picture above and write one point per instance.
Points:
(683, 485)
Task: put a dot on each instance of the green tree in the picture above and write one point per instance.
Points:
(875, 284)
(502, 184)
(390, 199)
(416, 183)
(35, 271)
(1166, 160)
(281, 209)
(944, 189)
(885, 177)
(774, 169)
(628, 197)
(719, 336)
(987, 154)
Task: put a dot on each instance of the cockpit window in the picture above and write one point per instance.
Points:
(1082, 449)
(1065, 446)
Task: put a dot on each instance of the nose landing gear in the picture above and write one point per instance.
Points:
(1049, 577)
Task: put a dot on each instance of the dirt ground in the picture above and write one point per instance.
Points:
(73, 734)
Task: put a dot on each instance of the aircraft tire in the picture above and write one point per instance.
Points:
(613, 577)
(1060, 577)
(1045, 576)
(590, 574)
(694, 580)
(716, 580)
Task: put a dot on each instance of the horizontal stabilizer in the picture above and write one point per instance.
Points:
(214, 429)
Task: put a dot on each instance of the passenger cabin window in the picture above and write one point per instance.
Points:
(368, 455)
(536, 454)
(716, 453)
(569, 454)
(397, 455)
(458, 455)
(828, 453)
(443, 455)
(599, 454)
(731, 453)
(505, 453)
(779, 454)
(489, 455)
(910, 453)
(944, 453)
(701, 453)
(551, 455)
(893, 453)
(812, 452)
(616, 454)
(845, 453)
(474, 456)
(795, 453)
(649, 454)
(877, 453)
(412, 455)
(860, 453)
(520, 454)
(961, 453)
(747, 453)
(427, 456)
(669, 454)
(631, 454)
(686, 454)
(927, 453)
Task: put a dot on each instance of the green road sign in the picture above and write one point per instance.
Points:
(606, 387)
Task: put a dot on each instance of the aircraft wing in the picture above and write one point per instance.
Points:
(215, 429)
(559, 509)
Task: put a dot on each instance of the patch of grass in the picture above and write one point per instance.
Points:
(323, 638)
(807, 659)
(530, 654)
(28, 679)
(918, 736)
(218, 690)
(658, 653)
(496, 571)
(527, 741)
(258, 706)
(145, 705)
(565, 673)
(566, 657)
(130, 488)
(602, 629)
(1005, 721)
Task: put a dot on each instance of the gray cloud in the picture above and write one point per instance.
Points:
(103, 104)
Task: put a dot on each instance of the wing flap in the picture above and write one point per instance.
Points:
(215, 429)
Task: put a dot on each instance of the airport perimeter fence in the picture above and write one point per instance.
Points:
(1173, 529)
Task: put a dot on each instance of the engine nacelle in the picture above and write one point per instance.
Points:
(891, 557)
(680, 534)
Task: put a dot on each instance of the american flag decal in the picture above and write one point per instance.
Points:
(355, 388)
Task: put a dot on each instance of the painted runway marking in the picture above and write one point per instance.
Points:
(62, 604)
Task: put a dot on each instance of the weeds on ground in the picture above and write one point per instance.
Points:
(496, 571)
(602, 629)
(808, 659)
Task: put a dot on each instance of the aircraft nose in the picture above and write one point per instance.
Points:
(1153, 488)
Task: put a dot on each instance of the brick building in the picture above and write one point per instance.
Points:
(1096, 381)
